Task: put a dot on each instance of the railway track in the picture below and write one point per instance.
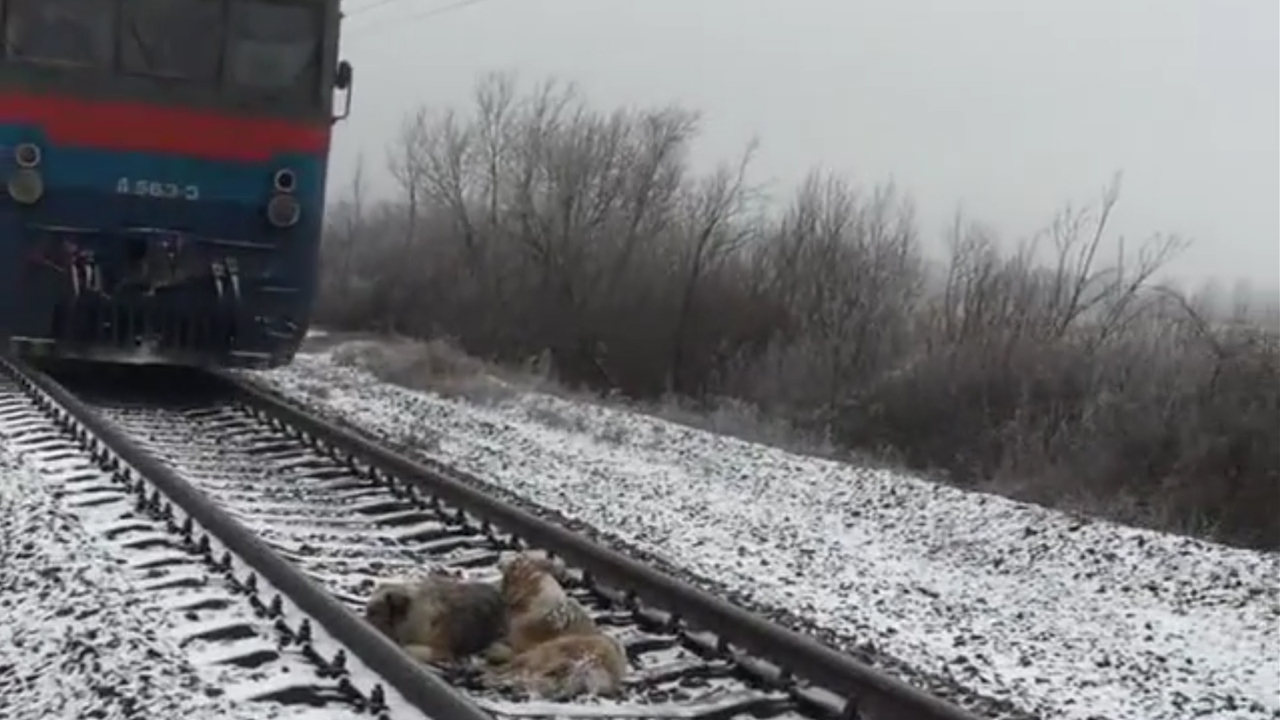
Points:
(277, 645)
(317, 515)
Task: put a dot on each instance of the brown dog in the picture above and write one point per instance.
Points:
(557, 650)
(438, 619)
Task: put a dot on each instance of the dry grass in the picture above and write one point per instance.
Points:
(434, 365)
(438, 366)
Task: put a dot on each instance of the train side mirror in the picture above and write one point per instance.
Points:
(343, 80)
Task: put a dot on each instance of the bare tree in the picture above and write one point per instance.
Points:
(1054, 368)
(345, 228)
(715, 208)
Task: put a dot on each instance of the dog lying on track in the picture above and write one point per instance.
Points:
(438, 619)
(556, 650)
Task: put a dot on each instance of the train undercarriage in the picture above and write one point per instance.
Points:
(156, 297)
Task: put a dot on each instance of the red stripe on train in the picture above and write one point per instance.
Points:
(141, 127)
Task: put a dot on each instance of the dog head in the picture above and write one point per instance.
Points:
(388, 607)
(527, 576)
(510, 560)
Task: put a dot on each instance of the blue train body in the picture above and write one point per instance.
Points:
(148, 221)
(102, 274)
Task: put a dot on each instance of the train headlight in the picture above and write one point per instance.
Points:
(285, 181)
(26, 186)
(283, 211)
(27, 155)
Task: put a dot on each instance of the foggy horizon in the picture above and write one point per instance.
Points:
(1003, 109)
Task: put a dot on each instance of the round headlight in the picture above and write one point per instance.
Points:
(26, 186)
(283, 211)
(27, 155)
(285, 181)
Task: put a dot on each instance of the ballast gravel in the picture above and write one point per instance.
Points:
(79, 637)
(1010, 605)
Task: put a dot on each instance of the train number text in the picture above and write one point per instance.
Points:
(150, 188)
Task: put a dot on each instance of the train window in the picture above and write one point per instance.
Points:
(274, 48)
(61, 32)
(178, 39)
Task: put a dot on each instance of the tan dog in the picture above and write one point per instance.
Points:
(538, 608)
(438, 619)
(557, 650)
(566, 666)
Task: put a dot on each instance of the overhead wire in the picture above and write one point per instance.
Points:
(401, 20)
(371, 6)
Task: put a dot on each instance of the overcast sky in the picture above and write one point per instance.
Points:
(1007, 107)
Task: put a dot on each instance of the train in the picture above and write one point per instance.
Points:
(165, 164)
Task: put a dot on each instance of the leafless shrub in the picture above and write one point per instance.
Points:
(536, 231)
(434, 365)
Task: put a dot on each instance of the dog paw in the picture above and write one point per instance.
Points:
(498, 653)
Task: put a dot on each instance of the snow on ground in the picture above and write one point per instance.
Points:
(78, 637)
(1065, 617)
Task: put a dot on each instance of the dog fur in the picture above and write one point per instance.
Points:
(538, 608)
(438, 619)
(563, 667)
(556, 649)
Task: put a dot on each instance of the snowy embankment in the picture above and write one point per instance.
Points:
(1061, 616)
(80, 637)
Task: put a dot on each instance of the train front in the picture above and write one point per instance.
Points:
(164, 163)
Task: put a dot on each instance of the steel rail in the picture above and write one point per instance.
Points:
(865, 692)
(428, 693)
(704, 678)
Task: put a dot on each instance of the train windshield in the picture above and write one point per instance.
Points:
(274, 47)
(269, 50)
(60, 32)
(171, 38)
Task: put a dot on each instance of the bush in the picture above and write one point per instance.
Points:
(435, 365)
(536, 230)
